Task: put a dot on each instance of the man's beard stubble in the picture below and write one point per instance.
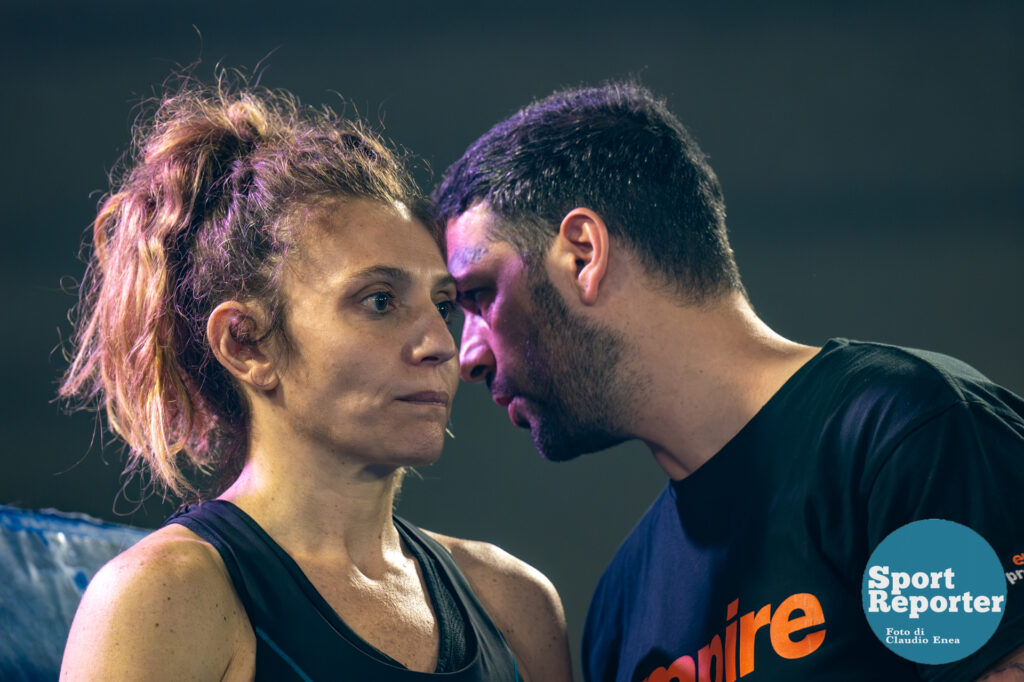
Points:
(581, 386)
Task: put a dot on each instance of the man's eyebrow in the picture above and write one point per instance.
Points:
(466, 256)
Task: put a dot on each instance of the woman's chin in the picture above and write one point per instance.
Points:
(421, 450)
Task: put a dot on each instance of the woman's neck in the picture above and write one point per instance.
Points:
(317, 505)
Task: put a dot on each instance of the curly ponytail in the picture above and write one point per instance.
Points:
(200, 217)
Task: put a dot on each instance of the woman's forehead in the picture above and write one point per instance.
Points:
(347, 236)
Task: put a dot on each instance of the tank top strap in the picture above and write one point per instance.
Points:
(299, 636)
(490, 641)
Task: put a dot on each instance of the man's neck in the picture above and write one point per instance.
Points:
(709, 370)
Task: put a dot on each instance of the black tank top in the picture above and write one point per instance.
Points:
(300, 637)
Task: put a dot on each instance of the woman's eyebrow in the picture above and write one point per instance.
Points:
(397, 275)
(445, 280)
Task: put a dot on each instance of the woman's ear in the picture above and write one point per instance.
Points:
(233, 330)
(582, 248)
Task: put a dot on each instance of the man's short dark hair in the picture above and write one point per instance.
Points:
(619, 151)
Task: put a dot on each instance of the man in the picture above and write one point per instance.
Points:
(587, 236)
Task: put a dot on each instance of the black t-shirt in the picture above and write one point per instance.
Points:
(863, 439)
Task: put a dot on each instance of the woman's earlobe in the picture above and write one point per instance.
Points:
(262, 381)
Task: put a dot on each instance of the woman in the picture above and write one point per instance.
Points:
(265, 315)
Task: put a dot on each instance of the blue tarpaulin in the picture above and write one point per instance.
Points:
(46, 560)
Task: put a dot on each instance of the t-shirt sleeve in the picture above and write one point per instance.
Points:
(965, 464)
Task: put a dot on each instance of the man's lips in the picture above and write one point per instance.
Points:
(427, 398)
(511, 402)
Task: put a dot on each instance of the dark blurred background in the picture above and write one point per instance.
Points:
(871, 155)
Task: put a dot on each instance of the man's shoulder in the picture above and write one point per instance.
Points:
(898, 366)
(873, 379)
(858, 400)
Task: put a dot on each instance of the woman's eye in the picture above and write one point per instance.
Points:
(379, 301)
(447, 309)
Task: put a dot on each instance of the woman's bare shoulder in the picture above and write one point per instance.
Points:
(522, 602)
(498, 571)
(163, 609)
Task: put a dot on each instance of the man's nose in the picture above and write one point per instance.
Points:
(476, 360)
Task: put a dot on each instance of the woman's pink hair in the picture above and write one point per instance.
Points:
(201, 216)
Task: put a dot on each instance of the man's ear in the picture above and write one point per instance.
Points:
(232, 331)
(582, 248)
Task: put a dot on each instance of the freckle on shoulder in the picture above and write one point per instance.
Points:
(164, 568)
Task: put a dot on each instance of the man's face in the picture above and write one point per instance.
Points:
(554, 371)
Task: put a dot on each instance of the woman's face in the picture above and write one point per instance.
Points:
(372, 368)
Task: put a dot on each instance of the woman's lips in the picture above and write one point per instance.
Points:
(441, 398)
